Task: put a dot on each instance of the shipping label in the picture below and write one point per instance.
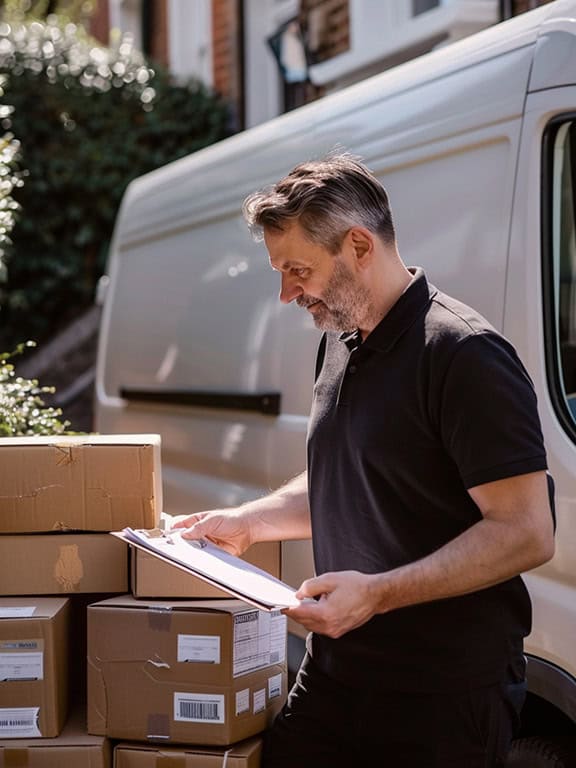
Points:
(199, 648)
(243, 701)
(259, 701)
(17, 612)
(259, 640)
(274, 686)
(19, 723)
(21, 660)
(199, 708)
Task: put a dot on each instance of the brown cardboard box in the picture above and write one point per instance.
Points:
(34, 635)
(86, 483)
(244, 754)
(152, 577)
(63, 563)
(74, 748)
(195, 672)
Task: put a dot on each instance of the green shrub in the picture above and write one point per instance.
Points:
(89, 119)
(22, 408)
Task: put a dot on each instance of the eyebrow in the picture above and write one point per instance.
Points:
(288, 265)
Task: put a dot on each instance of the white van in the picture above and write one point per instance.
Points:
(476, 144)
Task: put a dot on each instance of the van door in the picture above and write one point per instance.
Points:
(540, 318)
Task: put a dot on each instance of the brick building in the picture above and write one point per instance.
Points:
(269, 56)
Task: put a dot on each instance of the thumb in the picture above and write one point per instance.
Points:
(313, 587)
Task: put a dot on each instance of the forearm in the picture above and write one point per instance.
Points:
(486, 554)
(282, 515)
(514, 535)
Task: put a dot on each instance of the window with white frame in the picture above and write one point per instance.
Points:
(559, 267)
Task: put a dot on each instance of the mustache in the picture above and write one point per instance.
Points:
(306, 301)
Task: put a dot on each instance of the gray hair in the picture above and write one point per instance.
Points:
(327, 197)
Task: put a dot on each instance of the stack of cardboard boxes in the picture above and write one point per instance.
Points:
(102, 660)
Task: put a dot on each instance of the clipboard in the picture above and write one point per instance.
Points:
(214, 565)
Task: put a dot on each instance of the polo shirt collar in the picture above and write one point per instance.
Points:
(404, 312)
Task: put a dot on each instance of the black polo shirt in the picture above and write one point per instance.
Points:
(433, 402)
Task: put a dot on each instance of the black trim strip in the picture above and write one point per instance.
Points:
(551, 341)
(267, 403)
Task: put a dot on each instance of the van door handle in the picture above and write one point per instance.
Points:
(267, 403)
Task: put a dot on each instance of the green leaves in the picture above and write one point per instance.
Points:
(22, 408)
(89, 119)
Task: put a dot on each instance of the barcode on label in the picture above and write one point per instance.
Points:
(17, 723)
(198, 708)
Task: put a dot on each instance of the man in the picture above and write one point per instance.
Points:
(425, 496)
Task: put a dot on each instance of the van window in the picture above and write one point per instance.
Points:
(561, 277)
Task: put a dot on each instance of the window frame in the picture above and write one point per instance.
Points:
(554, 377)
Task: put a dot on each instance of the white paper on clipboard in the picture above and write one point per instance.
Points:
(215, 565)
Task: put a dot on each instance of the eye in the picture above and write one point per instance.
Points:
(300, 271)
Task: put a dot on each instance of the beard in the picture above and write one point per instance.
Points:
(344, 303)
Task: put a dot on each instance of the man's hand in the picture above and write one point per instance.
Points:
(345, 600)
(282, 515)
(227, 528)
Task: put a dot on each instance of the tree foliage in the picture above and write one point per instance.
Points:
(89, 120)
(8, 181)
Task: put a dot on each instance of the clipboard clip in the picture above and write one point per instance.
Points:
(158, 533)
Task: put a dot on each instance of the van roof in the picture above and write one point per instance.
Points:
(245, 161)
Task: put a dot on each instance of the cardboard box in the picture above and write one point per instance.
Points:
(63, 563)
(34, 634)
(74, 748)
(85, 483)
(152, 577)
(209, 672)
(244, 754)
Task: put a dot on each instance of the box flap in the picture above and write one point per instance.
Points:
(241, 749)
(73, 734)
(214, 606)
(73, 440)
(44, 607)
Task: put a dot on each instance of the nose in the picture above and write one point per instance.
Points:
(289, 289)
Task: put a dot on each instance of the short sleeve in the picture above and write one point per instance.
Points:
(488, 416)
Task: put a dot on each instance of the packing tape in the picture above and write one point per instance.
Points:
(68, 569)
(15, 758)
(159, 619)
(64, 454)
(170, 761)
(158, 726)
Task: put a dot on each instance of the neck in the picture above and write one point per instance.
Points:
(394, 281)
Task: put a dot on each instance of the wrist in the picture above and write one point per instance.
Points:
(251, 520)
(384, 592)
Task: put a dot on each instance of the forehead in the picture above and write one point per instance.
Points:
(290, 248)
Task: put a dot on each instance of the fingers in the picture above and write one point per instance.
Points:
(188, 522)
(197, 529)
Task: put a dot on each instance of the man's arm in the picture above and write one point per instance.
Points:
(514, 535)
(283, 514)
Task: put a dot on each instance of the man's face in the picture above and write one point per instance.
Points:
(317, 280)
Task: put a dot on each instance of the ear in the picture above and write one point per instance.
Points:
(361, 244)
